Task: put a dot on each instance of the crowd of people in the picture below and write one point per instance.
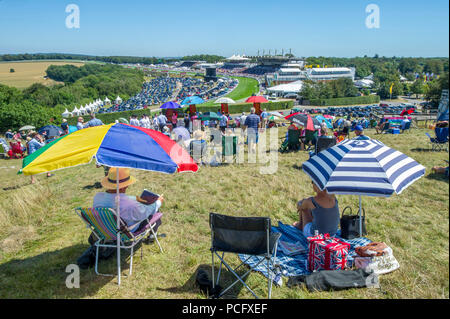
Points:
(163, 89)
(17, 145)
(318, 213)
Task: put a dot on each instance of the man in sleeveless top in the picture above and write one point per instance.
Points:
(320, 213)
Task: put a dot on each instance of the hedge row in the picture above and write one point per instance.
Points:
(370, 99)
(245, 107)
(107, 118)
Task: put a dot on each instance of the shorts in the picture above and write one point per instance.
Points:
(307, 230)
(252, 137)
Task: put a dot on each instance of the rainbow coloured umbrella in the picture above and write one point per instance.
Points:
(114, 145)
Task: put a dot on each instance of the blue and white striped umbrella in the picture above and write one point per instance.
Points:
(363, 167)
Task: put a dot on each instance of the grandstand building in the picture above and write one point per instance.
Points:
(275, 61)
(327, 74)
(292, 74)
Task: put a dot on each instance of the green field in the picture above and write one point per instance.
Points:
(29, 72)
(40, 234)
(245, 88)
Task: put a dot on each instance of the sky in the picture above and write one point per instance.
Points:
(186, 27)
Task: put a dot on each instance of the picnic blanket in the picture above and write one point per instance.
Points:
(298, 264)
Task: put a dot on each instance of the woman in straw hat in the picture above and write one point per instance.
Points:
(133, 212)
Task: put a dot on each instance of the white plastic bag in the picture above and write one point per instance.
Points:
(378, 264)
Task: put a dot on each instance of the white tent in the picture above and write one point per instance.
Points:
(75, 111)
(107, 101)
(82, 110)
(225, 100)
(66, 113)
(293, 87)
(118, 100)
(364, 83)
(235, 57)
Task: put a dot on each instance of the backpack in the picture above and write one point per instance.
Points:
(205, 284)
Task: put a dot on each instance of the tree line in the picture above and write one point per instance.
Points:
(343, 87)
(38, 104)
(427, 76)
(406, 66)
(107, 59)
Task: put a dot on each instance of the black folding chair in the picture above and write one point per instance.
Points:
(324, 142)
(243, 235)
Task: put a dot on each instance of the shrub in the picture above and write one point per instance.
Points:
(346, 100)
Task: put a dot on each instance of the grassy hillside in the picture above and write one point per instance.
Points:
(40, 234)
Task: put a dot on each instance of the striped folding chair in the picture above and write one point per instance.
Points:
(103, 223)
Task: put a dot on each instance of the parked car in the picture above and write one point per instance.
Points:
(290, 96)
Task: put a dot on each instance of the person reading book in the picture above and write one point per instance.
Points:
(135, 211)
(320, 213)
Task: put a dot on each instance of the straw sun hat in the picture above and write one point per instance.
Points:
(110, 181)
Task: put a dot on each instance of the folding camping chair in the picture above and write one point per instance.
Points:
(3, 152)
(440, 142)
(310, 136)
(323, 143)
(229, 146)
(406, 126)
(103, 223)
(243, 235)
(373, 123)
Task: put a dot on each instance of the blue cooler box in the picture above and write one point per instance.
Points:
(396, 131)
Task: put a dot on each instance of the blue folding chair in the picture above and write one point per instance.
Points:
(440, 142)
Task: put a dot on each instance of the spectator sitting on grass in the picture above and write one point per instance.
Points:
(166, 131)
(359, 132)
(320, 213)
(405, 121)
(36, 142)
(80, 124)
(381, 125)
(65, 126)
(134, 213)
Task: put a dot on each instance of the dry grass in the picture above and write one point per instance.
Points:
(414, 224)
(27, 73)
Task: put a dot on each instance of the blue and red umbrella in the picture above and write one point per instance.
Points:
(308, 122)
